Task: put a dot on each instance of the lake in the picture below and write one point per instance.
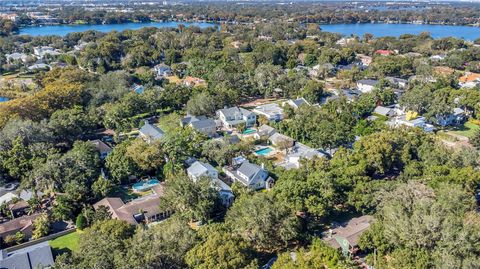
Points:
(4, 99)
(385, 29)
(63, 30)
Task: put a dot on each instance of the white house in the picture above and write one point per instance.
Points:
(419, 122)
(200, 170)
(41, 52)
(273, 112)
(296, 103)
(162, 70)
(250, 175)
(232, 117)
(299, 152)
(366, 85)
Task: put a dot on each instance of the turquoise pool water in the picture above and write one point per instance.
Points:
(249, 131)
(143, 186)
(264, 151)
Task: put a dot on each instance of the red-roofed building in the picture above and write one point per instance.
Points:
(384, 52)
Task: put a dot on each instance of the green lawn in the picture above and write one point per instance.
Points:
(467, 129)
(65, 243)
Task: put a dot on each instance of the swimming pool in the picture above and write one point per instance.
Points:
(264, 151)
(249, 131)
(145, 185)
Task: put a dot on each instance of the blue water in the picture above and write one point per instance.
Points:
(385, 29)
(141, 186)
(63, 30)
(4, 99)
(264, 151)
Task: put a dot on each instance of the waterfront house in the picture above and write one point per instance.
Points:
(366, 85)
(144, 209)
(250, 175)
(232, 117)
(150, 132)
(273, 112)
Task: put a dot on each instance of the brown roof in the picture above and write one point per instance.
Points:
(18, 205)
(149, 205)
(350, 230)
(17, 224)
(469, 77)
(101, 146)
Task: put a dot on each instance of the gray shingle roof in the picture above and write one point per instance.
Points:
(152, 131)
(199, 168)
(200, 124)
(33, 257)
(370, 82)
(249, 169)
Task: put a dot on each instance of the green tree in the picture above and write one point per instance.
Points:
(193, 200)
(268, 224)
(81, 222)
(220, 250)
(41, 227)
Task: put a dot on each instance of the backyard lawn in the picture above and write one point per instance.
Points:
(467, 129)
(65, 242)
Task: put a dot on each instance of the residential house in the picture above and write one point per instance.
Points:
(250, 175)
(200, 170)
(457, 116)
(43, 51)
(384, 52)
(200, 124)
(102, 148)
(384, 111)
(273, 112)
(348, 232)
(322, 70)
(438, 57)
(232, 117)
(300, 152)
(16, 57)
(366, 85)
(281, 141)
(364, 59)
(345, 41)
(469, 80)
(22, 224)
(194, 82)
(162, 71)
(410, 121)
(39, 66)
(264, 132)
(296, 103)
(397, 82)
(144, 209)
(150, 132)
(443, 71)
(32, 257)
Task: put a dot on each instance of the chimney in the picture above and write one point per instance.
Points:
(263, 166)
(146, 122)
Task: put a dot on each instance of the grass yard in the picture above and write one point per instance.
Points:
(467, 129)
(65, 243)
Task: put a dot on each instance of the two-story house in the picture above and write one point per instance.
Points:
(366, 85)
(200, 170)
(250, 175)
(232, 117)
